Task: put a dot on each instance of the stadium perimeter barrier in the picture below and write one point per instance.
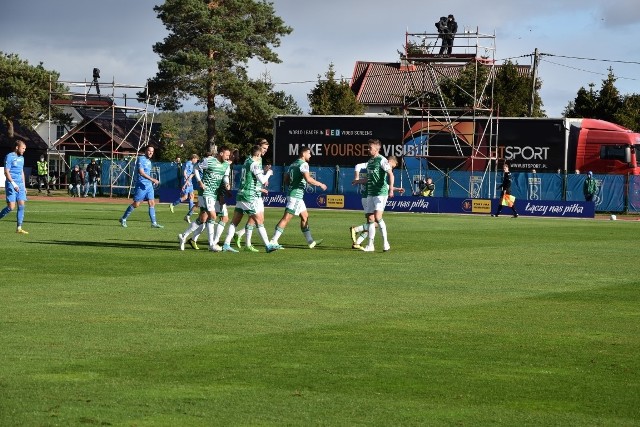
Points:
(616, 193)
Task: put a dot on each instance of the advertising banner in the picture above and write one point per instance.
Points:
(609, 195)
(525, 143)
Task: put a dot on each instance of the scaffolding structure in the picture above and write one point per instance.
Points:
(127, 120)
(449, 138)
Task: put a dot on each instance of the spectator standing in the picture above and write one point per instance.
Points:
(76, 182)
(43, 175)
(15, 189)
(443, 31)
(85, 181)
(452, 27)
(94, 171)
(590, 187)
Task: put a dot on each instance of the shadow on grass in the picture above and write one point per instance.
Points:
(122, 244)
(98, 220)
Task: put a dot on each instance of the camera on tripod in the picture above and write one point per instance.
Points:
(96, 76)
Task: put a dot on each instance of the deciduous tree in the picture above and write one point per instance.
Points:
(24, 93)
(331, 96)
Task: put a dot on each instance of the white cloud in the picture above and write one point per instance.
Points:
(73, 36)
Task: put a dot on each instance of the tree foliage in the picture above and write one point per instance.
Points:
(629, 113)
(330, 96)
(183, 134)
(606, 104)
(207, 51)
(510, 95)
(24, 93)
(585, 103)
(609, 99)
(249, 120)
(462, 92)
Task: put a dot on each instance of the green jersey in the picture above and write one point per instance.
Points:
(212, 174)
(249, 181)
(297, 183)
(377, 184)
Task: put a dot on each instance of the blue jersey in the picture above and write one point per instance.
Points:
(14, 164)
(186, 172)
(145, 164)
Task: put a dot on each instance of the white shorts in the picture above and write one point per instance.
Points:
(207, 203)
(375, 204)
(246, 207)
(221, 210)
(364, 204)
(295, 206)
(259, 204)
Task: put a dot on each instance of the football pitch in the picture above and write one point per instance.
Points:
(468, 320)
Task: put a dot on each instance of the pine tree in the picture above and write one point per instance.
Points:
(609, 99)
(207, 51)
(628, 114)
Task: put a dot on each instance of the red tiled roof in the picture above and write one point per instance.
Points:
(386, 83)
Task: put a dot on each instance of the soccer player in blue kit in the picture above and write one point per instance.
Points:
(186, 191)
(15, 189)
(144, 188)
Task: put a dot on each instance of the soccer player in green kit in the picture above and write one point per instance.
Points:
(298, 178)
(252, 174)
(379, 182)
(212, 174)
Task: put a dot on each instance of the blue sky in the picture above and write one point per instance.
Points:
(73, 36)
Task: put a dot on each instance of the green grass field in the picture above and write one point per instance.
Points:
(468, 320)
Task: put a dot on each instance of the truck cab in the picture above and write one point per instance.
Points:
(607, 148)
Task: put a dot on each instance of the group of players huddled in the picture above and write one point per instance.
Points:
(212, 175)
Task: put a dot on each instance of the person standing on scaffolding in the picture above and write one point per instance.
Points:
(452, 26)
(443, 33)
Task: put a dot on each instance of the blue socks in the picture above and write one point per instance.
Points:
(130, 209)
(20, 215)
(4, 212)
(152, 214)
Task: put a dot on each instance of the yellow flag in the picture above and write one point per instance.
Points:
(508, 200)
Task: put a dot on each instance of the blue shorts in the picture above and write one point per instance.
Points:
(143, 192)
(15, 196)
(188, 190)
